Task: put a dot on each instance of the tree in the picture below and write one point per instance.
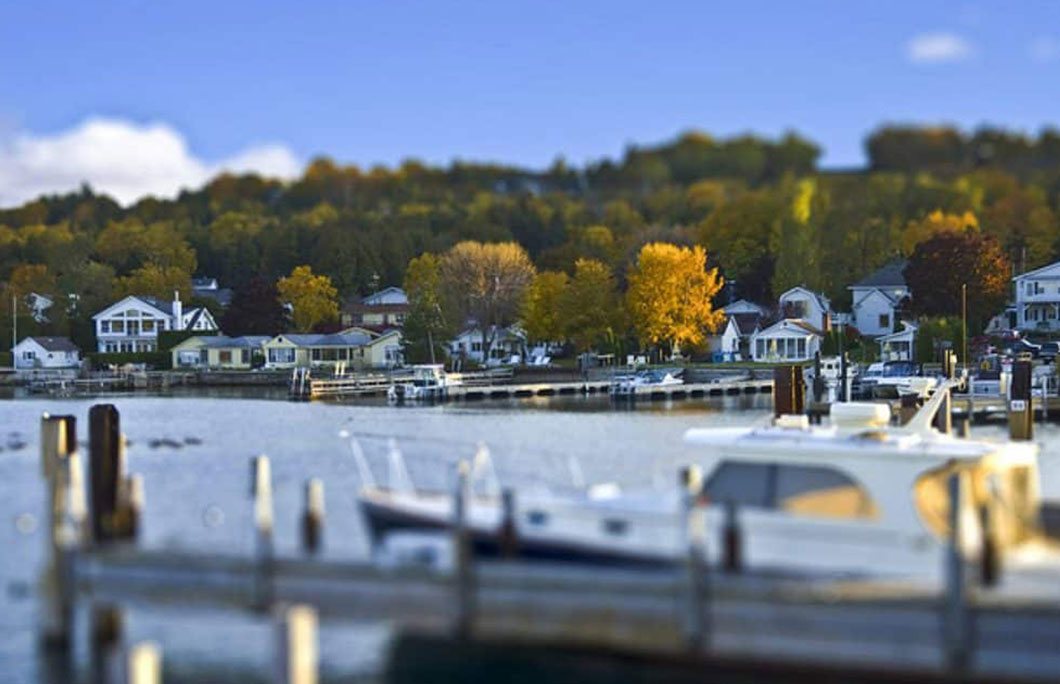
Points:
(426, 328)
(941, 265)
(255, 309)
(156, 281)
(312, 297)
(934, 223)
(590, 307)
(485, 283)
(541, 316)
(670, 293)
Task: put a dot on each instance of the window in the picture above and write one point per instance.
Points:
(476, 346)
(244, 356)
(806, 490)
(283, 355)
(104, 326)
(28, 355)
(148, 325)
(801, 348)
(117, 326)
(760, 349)
(885, 320)
(225, 356)
(134, 327)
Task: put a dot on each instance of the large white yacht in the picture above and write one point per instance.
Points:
(856, 497)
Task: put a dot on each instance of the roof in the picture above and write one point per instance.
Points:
(54, 344)
(889, 275)
(361, 307)
(788, 323)
(225, 342)
(164, 307)
(822, 301)
(204, 283)
(333, 340)
(222, 296)
(746, 323)
(375, 296)
(1038, 271)
(742, 306)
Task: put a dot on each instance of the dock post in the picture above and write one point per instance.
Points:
(143, 664)
(783, 391)
(989, 558)
(798, 386)
(818, 381)
(697, 621)
(58, 445)
(313, 516)
(263, 522)
(463, 568)
(733, 537)
(964, 427)
(956, 613)
(907, 408)
(105, 472)
(1020, 403)
(508, 535)
(843, 394)
(297, 647)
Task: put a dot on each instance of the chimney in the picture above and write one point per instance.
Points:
(178, 311)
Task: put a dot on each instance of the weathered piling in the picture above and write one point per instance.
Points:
(818, 381)
(964, 427)
(105, 446)
(58, 442)
(957, 635)
(697, 620)
(843, 393)
(732, 560)
(463, 569)
(944, 416)
(789, 393)
(143, 664)
(508, 535)
(1020, 402)
(297, 650)
(261, 484)
(989, 558)
(313, 516)
(908, 405)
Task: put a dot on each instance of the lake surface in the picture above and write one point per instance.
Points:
(196, 495)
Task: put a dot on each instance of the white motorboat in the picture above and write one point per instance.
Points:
(901, 378)
(856, 497)
(628, 385)
(429, 382)
(831, 370)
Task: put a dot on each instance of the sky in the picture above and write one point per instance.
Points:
(145, 97)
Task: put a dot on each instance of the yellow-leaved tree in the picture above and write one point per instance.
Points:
(312, 297)
(669, 295)
(540, 315)
(933, 224)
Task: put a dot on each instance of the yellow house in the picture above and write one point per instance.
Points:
(219, 352)
(356, 347)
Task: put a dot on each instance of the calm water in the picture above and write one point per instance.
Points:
(197, 495)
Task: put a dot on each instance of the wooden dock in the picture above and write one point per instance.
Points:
(689, 619)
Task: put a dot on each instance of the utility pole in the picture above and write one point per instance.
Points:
(964, 323)
(14, 326)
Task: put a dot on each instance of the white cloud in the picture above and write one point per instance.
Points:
(122, 159)
(935, 48)
(1045, 49)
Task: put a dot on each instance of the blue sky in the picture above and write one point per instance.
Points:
(376, 82)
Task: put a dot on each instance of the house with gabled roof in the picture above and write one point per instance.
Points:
(1038, 298)
(791, 339)
(804, 304)
(133, 323)
(876, 298)
(46, 352)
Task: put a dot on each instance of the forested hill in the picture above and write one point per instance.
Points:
(768, 216)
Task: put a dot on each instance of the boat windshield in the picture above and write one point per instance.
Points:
(1009, 492)
(799, 489)
(899, 369)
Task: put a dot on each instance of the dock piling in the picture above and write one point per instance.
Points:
(297, 648)
(989, 558)
(105, 469)
(143, 664)
(313, 516)
(463, 569)
(58, 442)
(789, 393)
(263, 524)
(697, 620)
(1020, 403)
(508, 535)
(956, 612)
(733, 537)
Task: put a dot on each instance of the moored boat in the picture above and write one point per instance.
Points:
(429, 382)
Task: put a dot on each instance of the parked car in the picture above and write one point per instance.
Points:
(1018, 347)
(1049, 351)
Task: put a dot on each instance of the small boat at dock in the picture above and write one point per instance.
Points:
(627, 385)
(429, 382)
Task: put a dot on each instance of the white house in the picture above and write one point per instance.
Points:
(133, 324)
(507, 342)
(875, 299)
(46, 352)
(801, 303)
(388, 295)
(209, 289)
(898, 346)
(742, 306)
(791, 339)
(380, 311)
(732, 343)
(1038, 298)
